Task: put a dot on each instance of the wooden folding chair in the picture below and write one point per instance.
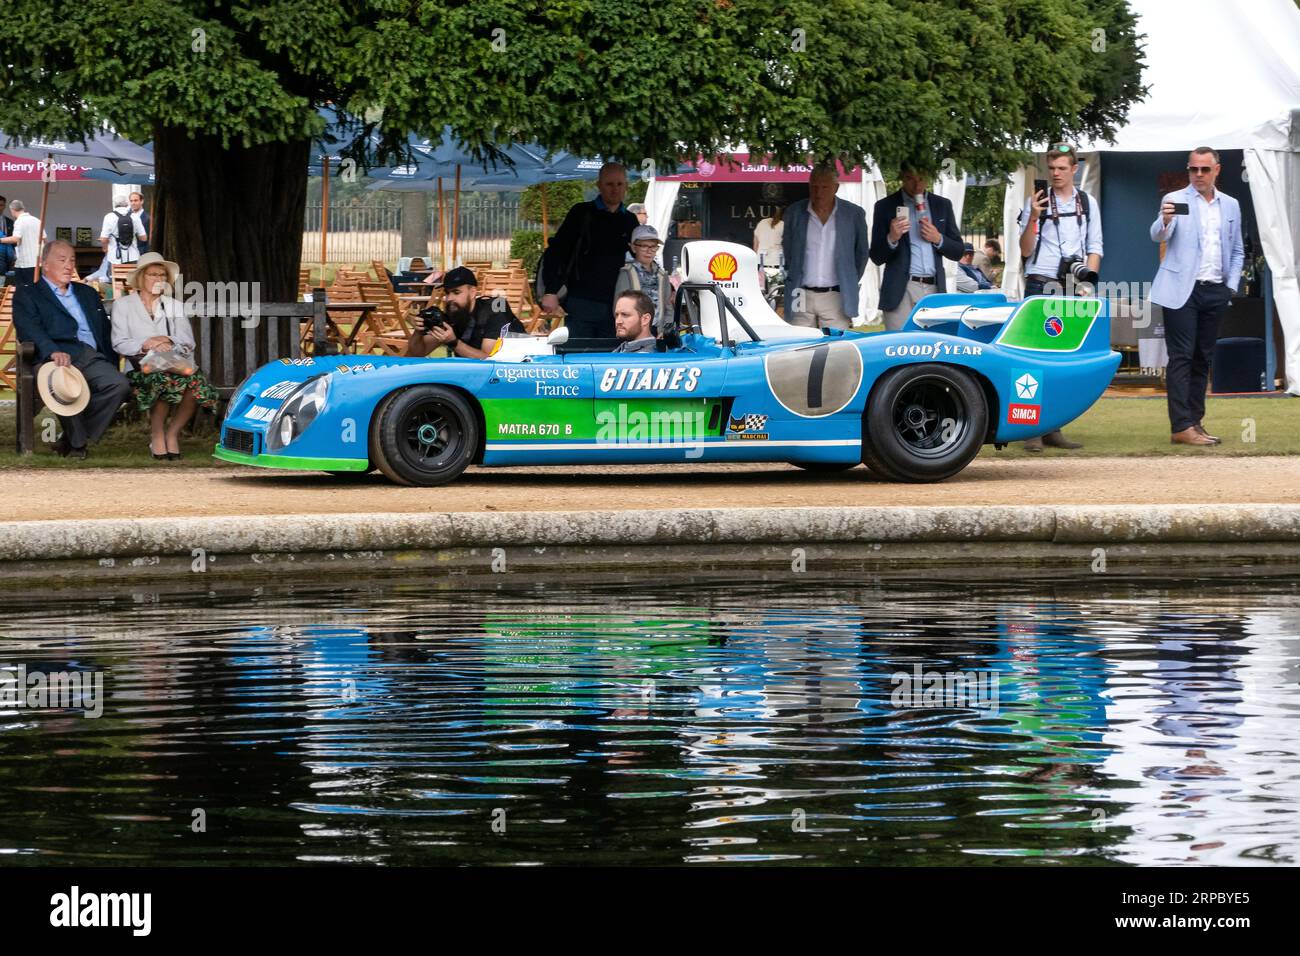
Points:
(388, 329)
(121, 272)
(8, 340)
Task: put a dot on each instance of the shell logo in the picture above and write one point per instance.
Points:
(722, 267)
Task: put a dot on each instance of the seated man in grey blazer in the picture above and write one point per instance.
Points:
(633, 313)
(825, 246)
(1200, 271)
(67, 323)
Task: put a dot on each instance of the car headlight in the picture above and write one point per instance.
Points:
(299, 410)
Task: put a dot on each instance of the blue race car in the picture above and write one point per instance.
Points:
(732, 381)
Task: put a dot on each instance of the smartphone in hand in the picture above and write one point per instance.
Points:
(1181, 209)
(900, 212)
(1040, 186)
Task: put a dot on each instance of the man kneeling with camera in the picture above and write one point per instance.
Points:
(1060, 240)
(470, 324)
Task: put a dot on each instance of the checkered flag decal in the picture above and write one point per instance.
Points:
(755, 422)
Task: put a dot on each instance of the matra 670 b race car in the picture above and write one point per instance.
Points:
(731, 381)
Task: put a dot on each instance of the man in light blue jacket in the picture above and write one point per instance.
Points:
(825, 247)
(1200, 270)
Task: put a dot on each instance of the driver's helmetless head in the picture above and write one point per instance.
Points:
(633, 313)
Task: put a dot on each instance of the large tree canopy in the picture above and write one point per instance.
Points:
(228, 91)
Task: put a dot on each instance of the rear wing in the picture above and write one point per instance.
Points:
(1061, 324)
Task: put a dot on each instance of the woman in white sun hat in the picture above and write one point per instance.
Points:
(151, 331)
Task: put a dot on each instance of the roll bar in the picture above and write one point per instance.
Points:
(725, 305)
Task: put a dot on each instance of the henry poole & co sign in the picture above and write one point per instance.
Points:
(15, 169)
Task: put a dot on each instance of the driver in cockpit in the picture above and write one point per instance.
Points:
(633, 315)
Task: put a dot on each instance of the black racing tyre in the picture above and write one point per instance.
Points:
(924, 423)
(826, 466)
(377, 459)
(426, 435)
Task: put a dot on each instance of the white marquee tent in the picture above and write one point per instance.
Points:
(1225, 75)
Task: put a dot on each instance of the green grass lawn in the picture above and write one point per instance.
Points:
(1140, 426)
(125, 445)
(1114, 426)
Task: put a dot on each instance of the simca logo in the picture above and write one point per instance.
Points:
(1023, 414)
(723, 266)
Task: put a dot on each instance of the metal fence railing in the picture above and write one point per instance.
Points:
(360, 232)
(484, 227)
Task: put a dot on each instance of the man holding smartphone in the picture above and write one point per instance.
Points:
(1060, 241)
(913, 231)
(1201, 229)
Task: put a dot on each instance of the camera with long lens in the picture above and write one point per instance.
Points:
(1077, 267)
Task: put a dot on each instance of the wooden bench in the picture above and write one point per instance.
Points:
(274, 333)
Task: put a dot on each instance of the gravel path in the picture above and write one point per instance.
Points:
(172, 492)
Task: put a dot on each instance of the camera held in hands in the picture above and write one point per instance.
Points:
(1077, 267)
(433, 317)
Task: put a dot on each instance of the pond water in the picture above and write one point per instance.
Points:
(384, 721)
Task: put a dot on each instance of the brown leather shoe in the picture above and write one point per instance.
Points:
(1204, 433)
(1057, 439)
(1189, 436)
(1033, 444)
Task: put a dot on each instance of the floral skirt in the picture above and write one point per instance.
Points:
(150, 387)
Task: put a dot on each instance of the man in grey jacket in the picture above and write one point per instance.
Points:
(825, 246)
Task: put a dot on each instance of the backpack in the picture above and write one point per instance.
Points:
(584, 239)
(125, 230)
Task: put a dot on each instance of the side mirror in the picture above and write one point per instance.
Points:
(559, 336)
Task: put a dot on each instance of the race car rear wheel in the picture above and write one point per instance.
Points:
(426, 435)
(924, 423)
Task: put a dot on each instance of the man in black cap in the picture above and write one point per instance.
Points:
(472, 323)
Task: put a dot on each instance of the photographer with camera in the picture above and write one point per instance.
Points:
(1064, 244)
(1060, 241)
(469, 325)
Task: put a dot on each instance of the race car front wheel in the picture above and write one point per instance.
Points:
(924, 423)
(426, 435)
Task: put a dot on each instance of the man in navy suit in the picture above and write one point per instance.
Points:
(6, 229)
(67, 323)
(912, 246)
(1201, 269)
(825, 249)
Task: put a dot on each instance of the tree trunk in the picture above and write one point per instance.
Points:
(415, 224)
(231, 215)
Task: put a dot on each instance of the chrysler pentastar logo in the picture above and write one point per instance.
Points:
(1026, 386)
